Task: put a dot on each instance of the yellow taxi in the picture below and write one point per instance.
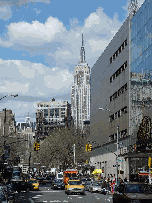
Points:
(74, 187)
(34, 184)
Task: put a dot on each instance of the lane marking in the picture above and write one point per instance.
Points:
(50, 191)
(31, 200)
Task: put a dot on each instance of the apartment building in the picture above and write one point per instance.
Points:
(52, 114)
(7, 122)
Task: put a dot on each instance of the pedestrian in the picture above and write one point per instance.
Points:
(125, 179)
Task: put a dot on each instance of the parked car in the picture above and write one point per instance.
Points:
(49, 179)
(87, 185)
(132, 192)
(20, 185)
(10, 193)
(85, 180)
(58, 184)
(41, 180)
(104, 191)
(34, 184)
(74, 187)
(95, 187)
(3, 198)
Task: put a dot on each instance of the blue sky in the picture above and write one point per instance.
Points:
(40, 44)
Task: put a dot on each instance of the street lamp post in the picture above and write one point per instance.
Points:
(12, 95)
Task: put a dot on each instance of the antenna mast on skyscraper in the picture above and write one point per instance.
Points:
(133, 7)
(82, 53)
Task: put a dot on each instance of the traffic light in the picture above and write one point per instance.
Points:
(89, 147)
(38, 146)
(149, 162)
(35, 146)
(86, 147)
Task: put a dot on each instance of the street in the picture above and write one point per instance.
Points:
(46, 194)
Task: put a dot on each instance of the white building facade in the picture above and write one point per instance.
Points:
(80, 92)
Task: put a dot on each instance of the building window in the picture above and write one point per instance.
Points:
(110, 60)
(51, 112)
(118, 72)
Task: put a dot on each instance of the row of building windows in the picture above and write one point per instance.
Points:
(122, 134)
(51, 105)
(118, 114)
(117, 93)
(118, 51)
(118, 72)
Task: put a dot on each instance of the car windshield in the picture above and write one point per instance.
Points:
(135, 188)
(60, 176)
(88, 179)
(16, 173)
(75, 183)
(87, 183)
(70, 175)
(48, 178)
(32, 181)
(96, 184)
(83, 179)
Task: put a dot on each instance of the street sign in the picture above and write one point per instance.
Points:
(116, 165)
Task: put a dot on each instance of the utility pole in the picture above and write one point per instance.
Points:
(29, 160)
(74, 153)
(4, 120)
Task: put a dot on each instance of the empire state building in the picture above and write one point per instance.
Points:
(80, 92)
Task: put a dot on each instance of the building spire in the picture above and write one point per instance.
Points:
(82, 53)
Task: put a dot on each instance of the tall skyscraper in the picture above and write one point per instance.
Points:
(80, 92)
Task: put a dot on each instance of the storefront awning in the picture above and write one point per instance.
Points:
(144, 174)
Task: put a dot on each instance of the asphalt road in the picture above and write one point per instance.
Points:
(46, 194)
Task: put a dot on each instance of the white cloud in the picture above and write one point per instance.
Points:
(97, 44)
(5, 6)
(93, 19)
(5, 12)
(21, 2)
(14, 87)
(59, 46)
(20, 108)
(26, 78)
(35, 33)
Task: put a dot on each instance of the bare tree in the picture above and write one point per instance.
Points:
(57, 149)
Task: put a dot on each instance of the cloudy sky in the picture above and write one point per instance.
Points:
(40, 44)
